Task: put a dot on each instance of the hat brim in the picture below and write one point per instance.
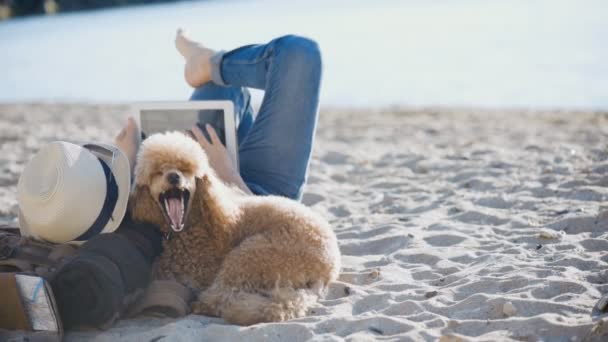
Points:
(121, 170)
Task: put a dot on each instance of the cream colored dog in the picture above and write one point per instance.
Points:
(254, 258)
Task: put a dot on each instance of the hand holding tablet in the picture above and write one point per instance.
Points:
(157, 117)
(218, 157)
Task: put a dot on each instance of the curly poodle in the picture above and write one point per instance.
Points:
(253, 258)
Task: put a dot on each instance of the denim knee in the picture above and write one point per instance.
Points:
(299, 51)
(293, 192)
(212, 91)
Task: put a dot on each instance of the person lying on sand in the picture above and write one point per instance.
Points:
(276, 143)
(274, 152)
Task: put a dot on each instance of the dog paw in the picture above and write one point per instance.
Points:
(202, 308)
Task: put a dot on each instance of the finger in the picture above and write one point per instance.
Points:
(131, 121)
(200, 137)
(214, 138)
(122, 133)
(189, 133)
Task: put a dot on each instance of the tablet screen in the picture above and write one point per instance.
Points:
(156, 117)
(215, 118)
(162, 120)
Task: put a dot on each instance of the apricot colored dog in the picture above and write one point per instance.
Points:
(253, 258)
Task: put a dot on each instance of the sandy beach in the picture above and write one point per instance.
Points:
(454, 224)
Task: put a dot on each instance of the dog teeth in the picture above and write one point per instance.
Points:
(181, 227)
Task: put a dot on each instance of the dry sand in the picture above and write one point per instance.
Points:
(470, 224)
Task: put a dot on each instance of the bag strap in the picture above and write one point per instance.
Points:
(23, 254)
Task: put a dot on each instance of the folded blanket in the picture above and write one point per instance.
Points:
(106, 274)
(134, 268)
(89, 291)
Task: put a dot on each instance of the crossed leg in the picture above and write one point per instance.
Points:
(274, 145)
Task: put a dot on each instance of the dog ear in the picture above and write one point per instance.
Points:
(201, 192)
(208, 199)
(143, 208)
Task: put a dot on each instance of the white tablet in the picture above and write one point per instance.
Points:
(157, 117)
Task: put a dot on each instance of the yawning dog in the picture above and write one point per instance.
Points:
(253, 258)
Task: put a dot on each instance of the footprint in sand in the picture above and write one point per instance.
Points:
(600, 277)
(408, 307)
(576, 262)
(314, 180)
(601, 168)
(335, 158)
(339, 177)
(595, 245)
(494, 202)
(338, 289)
(373, 302)
(484, 307)
(492, 285)
(478, 184)
(364, 277)
(463, 176)
(476, 217)
(587, 194)
(426, 259)
(444, 240)
(583, 224)
(552, 289)
(7, 180)
(311, 198)
(356, 232)
(339, 211)
(364, 327)
(380, 246)
(464, 259)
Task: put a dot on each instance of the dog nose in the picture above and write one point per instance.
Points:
(173, 178)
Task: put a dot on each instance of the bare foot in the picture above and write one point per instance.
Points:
(198, 65)
(128, 141)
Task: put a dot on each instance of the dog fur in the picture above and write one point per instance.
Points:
(253, 258)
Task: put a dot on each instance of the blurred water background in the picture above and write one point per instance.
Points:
(515, 53)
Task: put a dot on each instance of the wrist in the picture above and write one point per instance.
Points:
(236, 179)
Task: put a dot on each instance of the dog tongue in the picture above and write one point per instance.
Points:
(175, 211)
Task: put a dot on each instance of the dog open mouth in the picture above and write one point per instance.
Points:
(174, 203)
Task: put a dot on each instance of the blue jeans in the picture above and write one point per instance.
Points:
(274, 145)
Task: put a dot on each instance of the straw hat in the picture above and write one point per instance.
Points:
(70, 192)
